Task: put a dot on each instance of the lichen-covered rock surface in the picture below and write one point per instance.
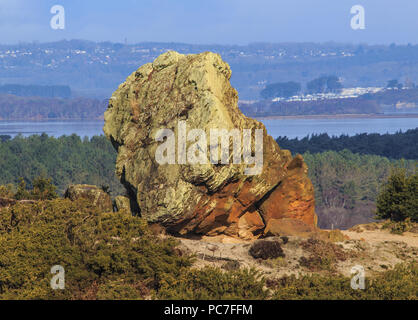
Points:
(93, 194)
(123, 203)
(207, 198)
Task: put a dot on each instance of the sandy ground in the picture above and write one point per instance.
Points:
(411, 239)
(376, 251)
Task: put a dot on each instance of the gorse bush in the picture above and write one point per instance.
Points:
(116, 256)
(212, 283)
(43, 189)
(399, 283)
(100, 252)
(398, 199)
(7, 191)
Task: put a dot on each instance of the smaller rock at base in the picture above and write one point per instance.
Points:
(289, 227)
(123, 203)
(94, 194)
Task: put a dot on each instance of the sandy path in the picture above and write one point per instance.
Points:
(411, 239)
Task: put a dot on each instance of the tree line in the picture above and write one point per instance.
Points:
(323, 84)
(347, 185)
(396, 146)
(66, 160)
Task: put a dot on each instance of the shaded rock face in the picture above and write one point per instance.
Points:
(94, 194)
(186, 92)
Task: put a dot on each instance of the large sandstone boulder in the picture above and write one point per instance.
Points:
(94, 194)
(190, 193)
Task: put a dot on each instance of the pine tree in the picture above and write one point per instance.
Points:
(398, 199)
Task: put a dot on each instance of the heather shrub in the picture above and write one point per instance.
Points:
(265, 249)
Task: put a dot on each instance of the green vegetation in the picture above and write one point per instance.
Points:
(401, 283)
(347, 180)
(324, 84)
(347, 184)
(396, 146)
(105, 255)
(399, 227)
(67, 160)
(116, 256)
(43, 189)
(212, 283)
(398, 199)
(394, 84)
(282, 89)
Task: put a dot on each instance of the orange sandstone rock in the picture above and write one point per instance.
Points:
(178, 92)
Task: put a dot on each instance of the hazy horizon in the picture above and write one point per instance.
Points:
(337, 43)
(231, 22)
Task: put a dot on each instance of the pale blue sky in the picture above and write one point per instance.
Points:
(210, 21)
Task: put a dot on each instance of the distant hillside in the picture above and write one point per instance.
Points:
(37, 108)
(317, 107)
(396, 100)
(385, 101)
(96, 69)
(36, 91)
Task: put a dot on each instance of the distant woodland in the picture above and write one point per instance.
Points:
(96, 69)
(347, 184)
(347, 172)
(13, 107)
(67, 160)
(396, 146)
(294, 108)
(346, 181)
